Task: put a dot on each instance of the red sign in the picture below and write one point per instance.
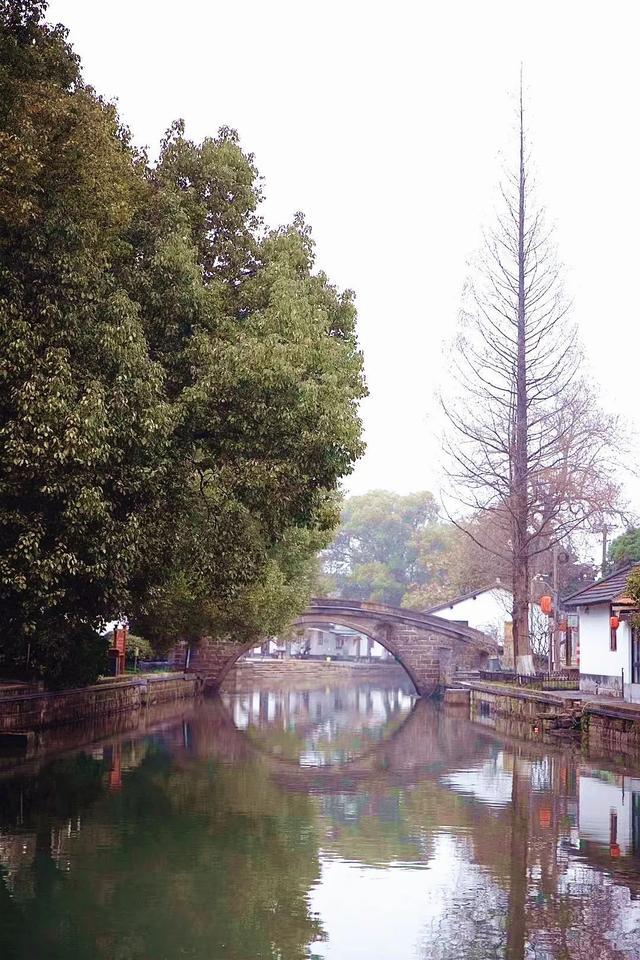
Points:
(120, 639)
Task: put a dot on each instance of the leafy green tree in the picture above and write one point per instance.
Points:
(83, 422)
(442, 549)
(179, 386)
(264, 373)
(625, 548)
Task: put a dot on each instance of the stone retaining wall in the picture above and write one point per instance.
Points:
(608, 728)
(515, 703)
(613, 729)
(301, 673)
(42, 745)
(40, 710)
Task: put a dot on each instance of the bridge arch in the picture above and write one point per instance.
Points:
(360, 625)
(429, 648)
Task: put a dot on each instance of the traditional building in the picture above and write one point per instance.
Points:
(487, 610)
(609, 643)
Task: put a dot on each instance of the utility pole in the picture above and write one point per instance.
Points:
(556, 604)
(553, 652)
(605, 531)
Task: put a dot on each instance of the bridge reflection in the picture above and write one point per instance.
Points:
(322, 724)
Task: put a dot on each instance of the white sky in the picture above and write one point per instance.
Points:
(383, 122)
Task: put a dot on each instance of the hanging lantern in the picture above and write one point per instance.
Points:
(546, 604)
(615, 622)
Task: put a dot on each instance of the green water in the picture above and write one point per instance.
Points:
(331, 823)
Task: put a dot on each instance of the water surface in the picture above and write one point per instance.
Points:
(333, 822)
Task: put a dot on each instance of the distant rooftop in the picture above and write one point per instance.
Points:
(611, 589)
(468, 596)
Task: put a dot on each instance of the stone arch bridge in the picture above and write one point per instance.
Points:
(429, 648)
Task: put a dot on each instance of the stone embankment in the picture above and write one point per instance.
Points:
(298, 674)
(27, 752)
(607, 725)
(36, 711)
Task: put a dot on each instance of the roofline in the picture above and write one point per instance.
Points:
(573, 598)
(472, 594)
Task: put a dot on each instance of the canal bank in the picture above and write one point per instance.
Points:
(602, 723)
(25, 713)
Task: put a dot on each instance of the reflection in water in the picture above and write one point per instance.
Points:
(322, 725)
(323, 823)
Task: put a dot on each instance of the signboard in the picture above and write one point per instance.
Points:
(118, 650)
(120, 639)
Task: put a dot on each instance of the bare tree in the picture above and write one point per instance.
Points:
(526, 440)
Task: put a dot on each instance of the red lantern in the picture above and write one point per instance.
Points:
(615, 623)
(546, 604)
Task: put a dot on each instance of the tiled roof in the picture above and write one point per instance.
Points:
(467, 596)
(608, 590)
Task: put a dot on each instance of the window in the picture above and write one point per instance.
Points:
(635, 823)
(613, 827)
(635, 655)
(568, 646)
(613, 643)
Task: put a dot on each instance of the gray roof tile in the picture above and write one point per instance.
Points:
(607, 590)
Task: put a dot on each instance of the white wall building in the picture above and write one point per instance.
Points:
(333, 641)
(338, 641)
(609, 658)
(488, 610)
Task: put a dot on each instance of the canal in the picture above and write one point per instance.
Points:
(328, 821)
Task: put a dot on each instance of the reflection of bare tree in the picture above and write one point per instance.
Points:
(522, 891)
(518, 851)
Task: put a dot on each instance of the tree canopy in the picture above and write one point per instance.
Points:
(179, 386)
(398, 550)
(375, 552)
(625, 548)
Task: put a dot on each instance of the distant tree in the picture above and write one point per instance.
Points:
(374, 555)
(449, 563)
(625, 548)
(527, 441)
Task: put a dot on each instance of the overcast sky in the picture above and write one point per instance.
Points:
(384, 123)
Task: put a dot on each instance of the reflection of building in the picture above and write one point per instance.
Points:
(610, 812)
(368, 704)
(609, 644)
